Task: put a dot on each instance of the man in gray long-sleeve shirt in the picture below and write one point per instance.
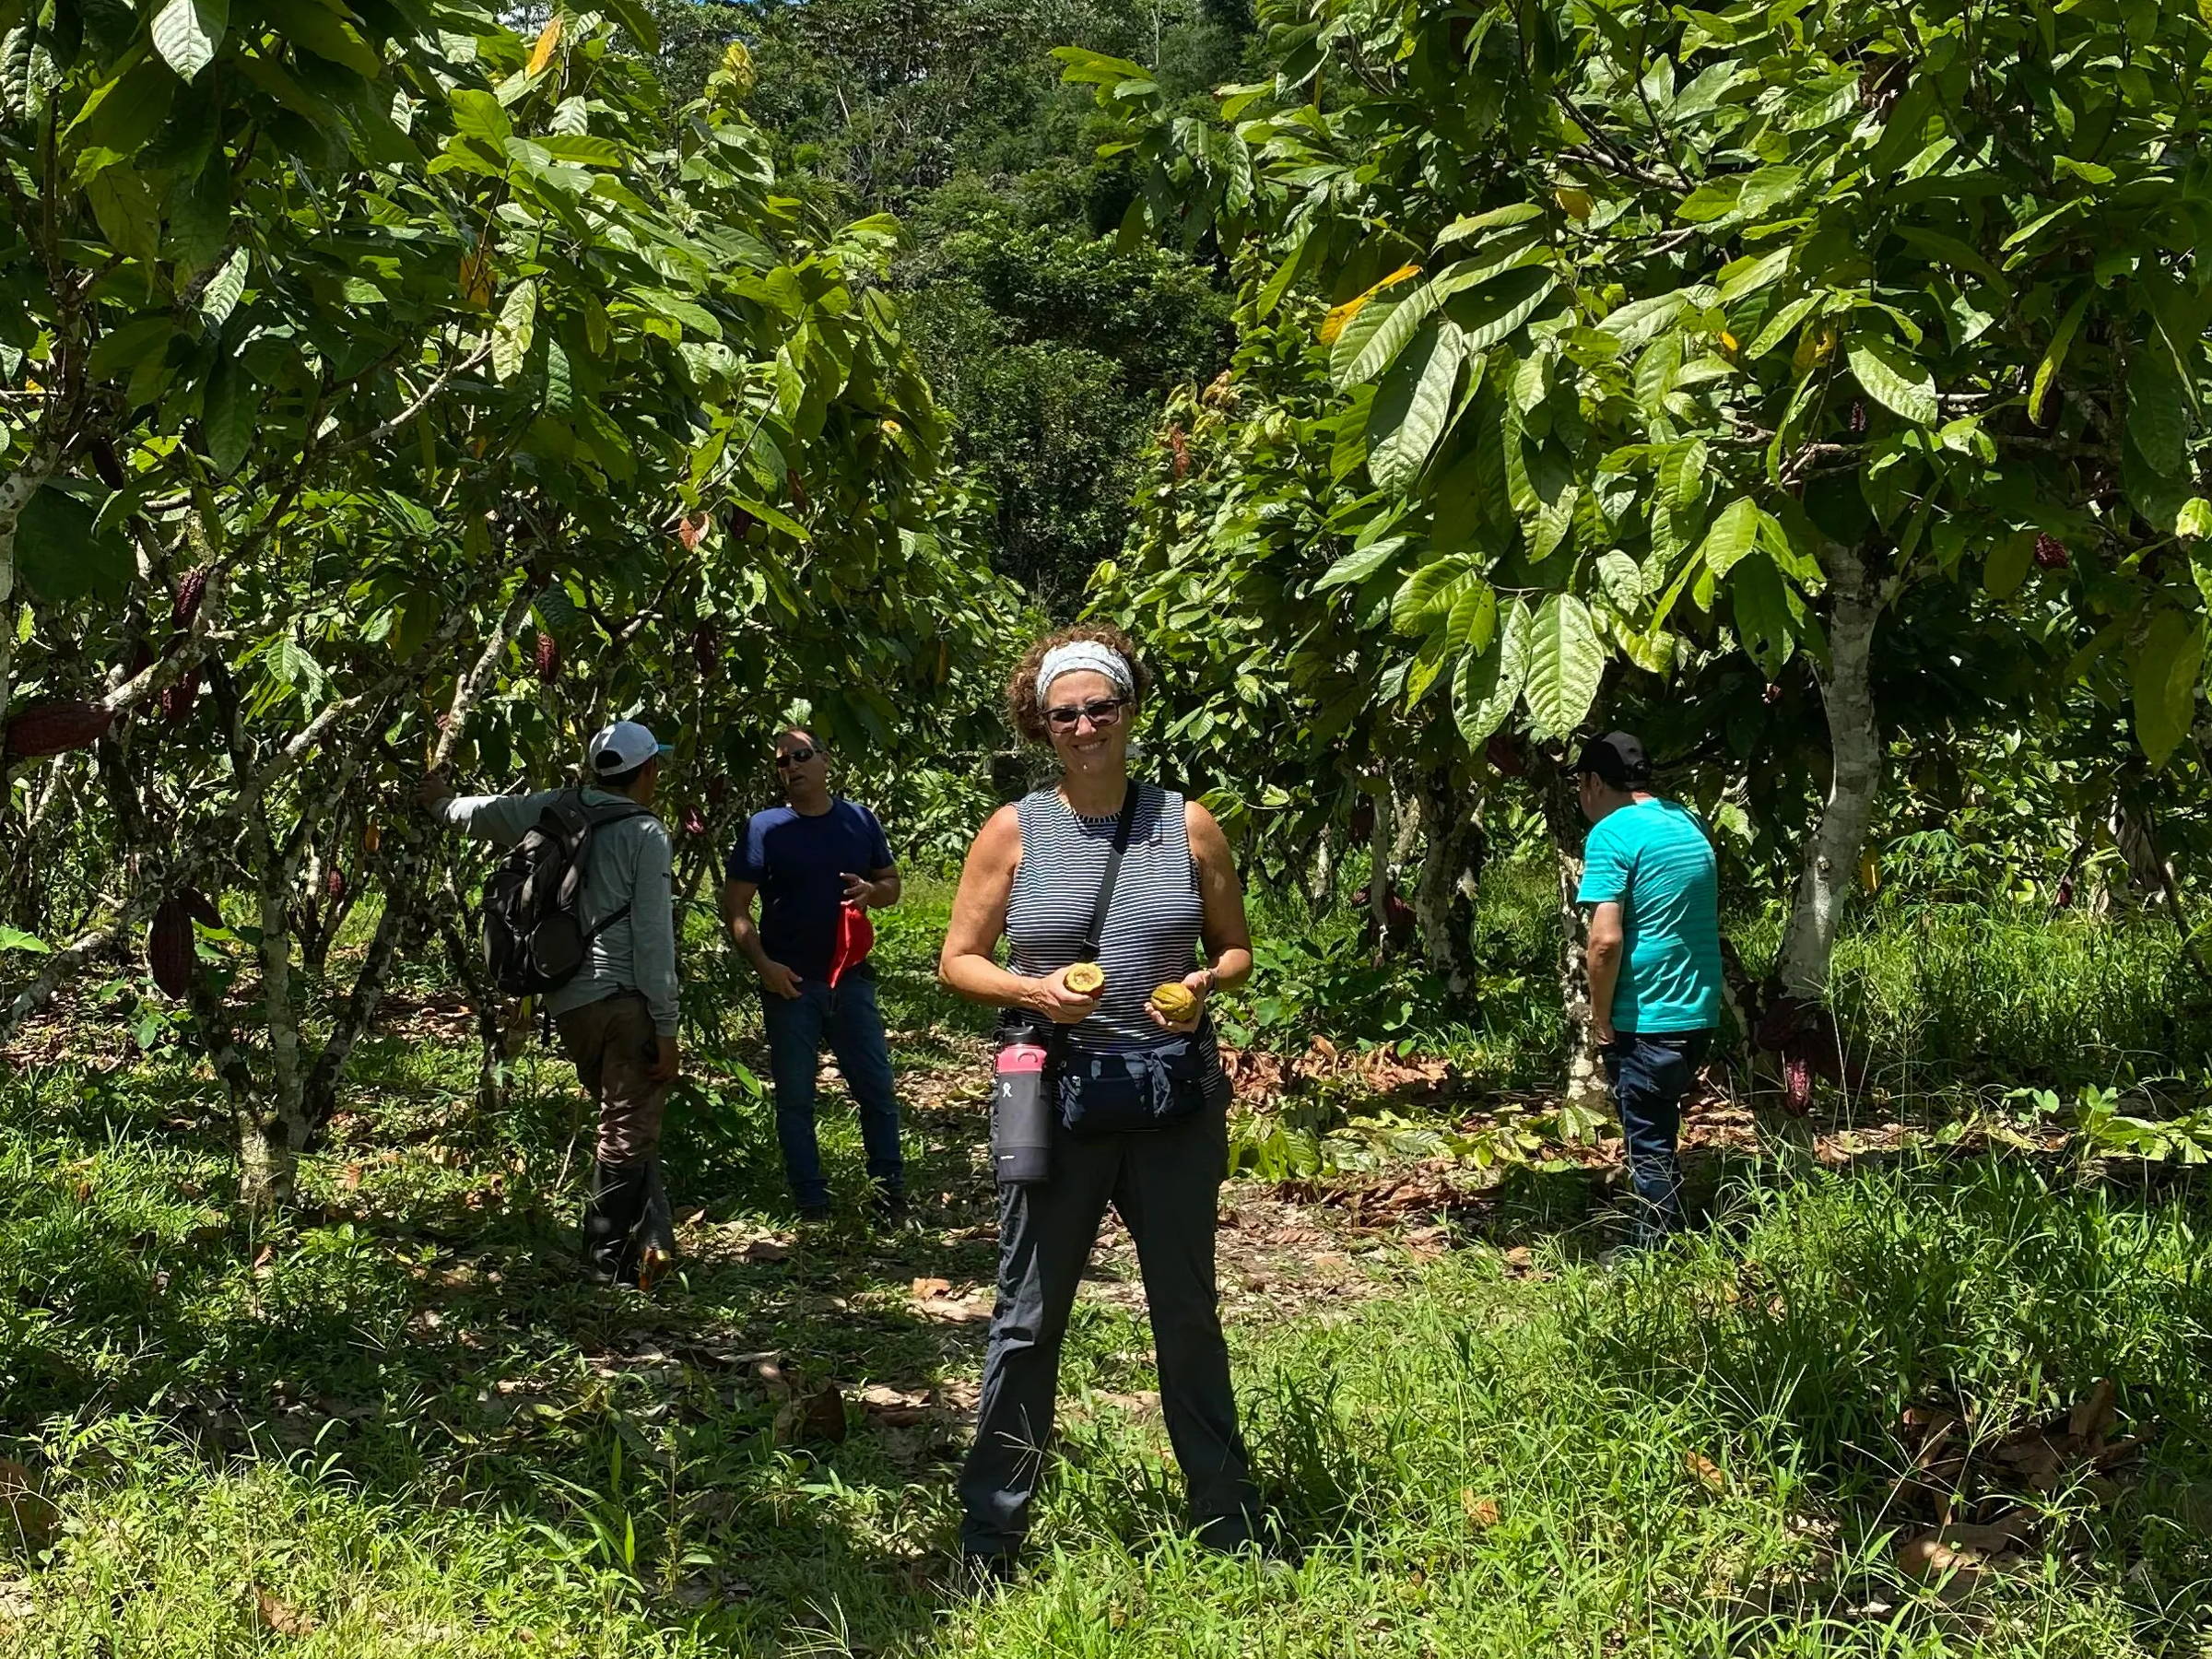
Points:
(617, 1016)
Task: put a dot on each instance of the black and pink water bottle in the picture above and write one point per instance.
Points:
(1020, 1116)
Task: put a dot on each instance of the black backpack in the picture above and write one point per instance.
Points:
(533, 940)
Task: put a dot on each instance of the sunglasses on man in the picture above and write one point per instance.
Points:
(1101, 711)
(796, 757)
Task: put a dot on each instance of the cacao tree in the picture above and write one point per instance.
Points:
(1660, 339)
(356, 357)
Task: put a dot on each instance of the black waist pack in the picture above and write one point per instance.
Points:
(1134, 1092)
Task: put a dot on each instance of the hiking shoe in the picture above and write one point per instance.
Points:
(889, 1204)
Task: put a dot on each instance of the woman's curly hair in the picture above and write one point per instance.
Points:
(1023, 710)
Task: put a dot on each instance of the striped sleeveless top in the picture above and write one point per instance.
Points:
(1152, 928)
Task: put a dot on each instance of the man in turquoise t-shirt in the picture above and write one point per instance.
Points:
(1654, 892)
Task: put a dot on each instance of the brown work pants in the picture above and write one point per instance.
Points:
(613, 1044)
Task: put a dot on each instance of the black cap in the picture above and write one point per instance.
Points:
(1617, 758)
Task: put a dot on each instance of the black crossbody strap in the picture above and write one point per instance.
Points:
(1113, 870)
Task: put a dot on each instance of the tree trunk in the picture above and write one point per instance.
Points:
(1586, 1088)
(1831, 852)
(1379, 842)
(1443, 898)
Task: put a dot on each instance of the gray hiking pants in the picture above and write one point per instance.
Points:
(1164, 1186)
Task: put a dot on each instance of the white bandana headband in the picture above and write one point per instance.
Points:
(1079, 654)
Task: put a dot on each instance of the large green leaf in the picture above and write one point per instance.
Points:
(1429, 592)
(187, 32)
(1390, 324)
(1733, 533)
(1411, 407)
(516, 329)
(1892, 379)
(227, 416)
(316, 28)
(63, 553)
(2166, 665)
(1488, 683)
(2158, 416)
(1566, 664)
(1763, 624)
(1360, 563)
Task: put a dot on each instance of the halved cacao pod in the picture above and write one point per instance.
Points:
(1085, 979)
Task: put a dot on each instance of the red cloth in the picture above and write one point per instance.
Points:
(855, 938)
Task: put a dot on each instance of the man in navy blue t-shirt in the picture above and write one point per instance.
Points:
(818, 864)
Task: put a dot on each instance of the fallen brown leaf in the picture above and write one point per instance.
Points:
(765, 1251)
(1481, 1512)
(931, 1287)
(954, 1309)
(1705, 1470)
(818, 1415)
(2092, 1417)
(280, 1615)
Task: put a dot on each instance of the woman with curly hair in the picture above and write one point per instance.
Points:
(1137, 1095)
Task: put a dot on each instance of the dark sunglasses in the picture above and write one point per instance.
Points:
(1102, 711)
(795, 757)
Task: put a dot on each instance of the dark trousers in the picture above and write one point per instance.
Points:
(846, 1017)
(1165, 1187)
(1649, 1075)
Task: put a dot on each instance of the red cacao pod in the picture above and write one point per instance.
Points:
(334, 884)
(1505, 755)
(695, 821)
(706, 649)
(741, 524)
(54, 728)
(177, 697)
(2051, 553)
(548, 658)
(142, 658)
(718, 790)
(190, 592)
(169, 944)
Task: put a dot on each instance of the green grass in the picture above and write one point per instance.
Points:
(398, 1418)
(425, 1458)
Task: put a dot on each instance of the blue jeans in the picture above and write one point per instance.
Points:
(844, 1016)
(1649, 1075)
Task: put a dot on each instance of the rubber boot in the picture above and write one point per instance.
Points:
(655, 1240)
(611, 1212)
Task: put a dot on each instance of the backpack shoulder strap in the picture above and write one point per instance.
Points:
(1123, 826)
